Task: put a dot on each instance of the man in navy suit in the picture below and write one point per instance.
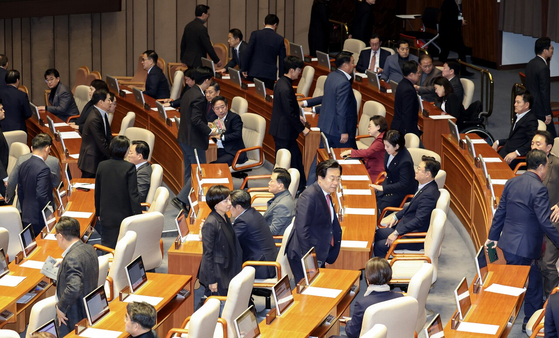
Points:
(264, 48)
(253, 233)
(394, 63)
(4, 155)
(238, 49)
(61, 100)
(316, 222)
(156, 82)
(16, 104)
(375, 53)
(230, 140)
(415, 217)
(195, 42)
(521, 219)
(406, 103)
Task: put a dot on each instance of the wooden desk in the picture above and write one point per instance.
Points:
(8, 303)
(493, 308)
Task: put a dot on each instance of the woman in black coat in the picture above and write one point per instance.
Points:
(449, 102)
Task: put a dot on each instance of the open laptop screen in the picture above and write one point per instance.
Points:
(296, 50)
(209, 63)
(462, 297)
(161, 110)
(372, 77)
(96, 305)
(246, 324)
(182, 224)
(235, 76)
(4, 269)
(323, 59)
(113, 84)
(435, 328)
(481, 265)
(48, 216)
(27, 240)
(139, 96)
(49, 327)
(136, 274)
(283, 297)
(260, 87)
(35, 111)
(310, 265)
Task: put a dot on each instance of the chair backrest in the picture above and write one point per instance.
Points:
(417, 153)
(4, 238)
(43, 311)
(239, 105)
(176, 87)
(355, 46)
(283, 159)
(140, 75)
(155, 182)
(295, 178)
(468, 92)
(319, 87)
(443, 202)
(370, 109)
(389, 50)
(81, 78)
(440, 178)
(103, 269)
(160, 200)
(203, 321)
(555, 149)
(282, 258)
(287, 46)
(541, 125)
(124, 252)
(24, 89)
(11, 220)
(238, 296)
(418, 288)
(305, 82)
(358, 99)
(378, 331)
(254, 129)
(16, 150)
(390, 314)
(161, 64)
(222, 53)
(434, 239)
(93, 75)
(412, 140)
(172, 67)
(81, 96)
(135, 133)
(149, 228)
(127, 122)
(15, 136)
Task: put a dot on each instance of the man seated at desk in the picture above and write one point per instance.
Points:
(140, 319)
(372, 59)
(230, 140)
(425, 85)
(156, 82)
(138, 155)
(61, 100)
(281, 207)
(394, 63)
(214, 89)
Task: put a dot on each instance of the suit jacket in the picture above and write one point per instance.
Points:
(399, 181)
(522, 217)
(280, 212)
(520, 137)
(256, 241)
(319, 28)
(392, 69)
(427, 88)
(261, 58)
(194, 129)
(237, 61)
(4, 155)
(406, 109)
(143, 174)
(195, 44)
(156, 84)
(551, 180)
(353, 327)
(80, 121)
(16, 106)
(3, 78)
(34, 191)
(95, 142)
(116, 192)
(77, 276)
(415, 217)
(63, 104)
(372, 156)
(365, 59)
(552, 316)
(53, 164)
(453, 106)
(285, 123)
(457, 87)
(363, 22)
(538, 84)
(232, 139)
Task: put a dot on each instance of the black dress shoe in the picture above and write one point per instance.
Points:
(179, 204)
(524, 327)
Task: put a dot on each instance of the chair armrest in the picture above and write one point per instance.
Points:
(220, 298)
(161, 247)
(380, 177)
(111, 290)
(537, 328)
(104, 248)
(383, 213)
(253, 177)
(401, 240)
(303, 98)
(409, 196)
(280, 237)
(264, 263)
(115, 134)
(409, 258)
(223, 323)
(258, 189)
(518, 166)
(146, 205)
(176, 331)
(72, 117)
(358, 137)
(242, 167)
(186, 321)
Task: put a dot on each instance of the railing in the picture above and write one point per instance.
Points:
(339, 30)
(487, 90)
(515, 89)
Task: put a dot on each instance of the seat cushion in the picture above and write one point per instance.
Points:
(531, 323)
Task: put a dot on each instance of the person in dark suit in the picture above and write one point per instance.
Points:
(221, 251)
(538, 82)
(552, 316)
(138, 155)
(450, 30)
(195, 42)
(398, 165)
(416, 216)
(425, 85)
(286, 124)
(140, 319)
(52, 162)
(35, 184)
(116, 191)
(363, 20)
(378, 273)
(4, 154)
(78, 274)
(238, 49)
(450, 72)
(61, 100)
(521, 132)
(230, 140)
(521, 219)
(79, 122)
(319, 27)
(281, 208)
(156, 82)
(316, 222)
(393, 65)
(264, 48)
(448, 101)
(16, 104)
(188, 83)
(253, 233)
(372, 59)
(3, 70)
(96, 135)
(406, 104)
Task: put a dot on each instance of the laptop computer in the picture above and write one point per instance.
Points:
(194, 206)
(470, 147)
(462, 298)
(182, 224)
(454, 131)
(27, 240)
(35, 111)
(372, 77)
(327, 146)
(283, 297)
(260, 87)
(481, 265)
(323, 59)
(4, 265)
(62, 196)
(393, 86)
(49, 327)
(246, 324)
(136, 274)
(113, 84)
(96, 305)
(48, 216)
(310, 266)
(209, 63)
(139, 96)
(50, 123)
(161, 110)
(235, 76)
(435, 328)
(296, 50)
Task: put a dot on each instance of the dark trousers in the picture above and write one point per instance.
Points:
(109, 234)
(86, 174)
(547, 264)
(296, 158)
(334, 142)
(189, 159)
(381, 249)
(224, 157)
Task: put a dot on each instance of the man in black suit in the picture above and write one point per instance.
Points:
(61, 100)
(3, 68)
(195, 42)
(253, 233)
(156, 82)
(138, 155)
(415, 217)
(450, 71)
(264, 48)
(521, 132)
(372, 59)
(538, 82)
(188, 83)
(78, 275)
(4, 155)
(96, 135)
(316, 221)
(363, 20)
(79, 122)
(35, 184)
(286, 124)
(425, 85)
(238, 49)
(406, 106)
(16, 104)
(230, 139)
(116, 191)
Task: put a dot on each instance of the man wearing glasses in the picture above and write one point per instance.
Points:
(61, 100)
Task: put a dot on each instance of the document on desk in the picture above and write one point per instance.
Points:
(251, 85)
(315, 129)
(499, 181)
(166, 108)
(50, 237)
(192, 237)
(360, 211)
(67, 135)
(441, 117)
(215, 180)
(75, 156)
(33, 264)
(354, 244)
(362, 75)
(349, 162)
(11, 281)
(91, 332)
(126, 91)
(314, 59)
(139, 298)
(84, 185)
(77, 214)
(478, 141)
(505, 290)
(478, 328)
(492, 159)
(59, 124)
(321, 292)
(355, 178)
(357, 191)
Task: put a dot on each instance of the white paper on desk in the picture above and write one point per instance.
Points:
(408, 16)
(321, 292)
(478, 328)
(84, 185)
(67, 135)
(478, 141)
(139, 298)
(315, 129)
(226, 77)
(126, 91)
(354, 244)
(357, 191)
(314, 59)
(500, 181)
(437, 335)
(360, 211)
(50, 237)
(215, 180)
(166, 108)
(192, 238)
(362, 75)
(76, 156)
(32, 264)
(11, 281)
(251, 85)
(77, 214)
(505, 290)
(492, 160)
(91, 332)
(58, 124)
(355, 178)
(441, 117)
(349, 162)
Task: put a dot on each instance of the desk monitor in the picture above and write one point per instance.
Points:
(329, 150)
(323, 59)
(373, 79)
(283, 297)
(454, 131)
(27, 240)
(483, 166)
(63, 144)
(194, 206)
(481, 265)
(462, 297)
(260, 88)
(246, 324)
(198, 162)
(49, 327)
(470, 147)
(35, 111)
(96, 305)
(296, 50)
(435, 328)
(393, 86)
(310, 265)
(4, 268)
(420, 103)
(490, 184)
(50, 123)
(136, 274)
(235, 76)
(48, 216)
(62, 196)
(182, 224)
(68, 175)
(113, 84)
(161, 110)
(139, 96)
(209, 63)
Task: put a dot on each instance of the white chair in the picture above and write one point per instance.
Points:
(295, 177)
(555, 149)
(16, 150)
(127, 122)
(417, 153)
(202, 323)
(103, 268)
(4, 239)
(319, 87)
(15, 136)
(148, 228)
(254, 129)
(141, 134)
(239, 105)
(11, 220)
(305, 82)
(370, 109)
(354, 46)
(443, 202)
(412, 140)
(178, 82)
(390, 313)
(378, 331)
(283, 159)
(155, 182)
(419, 287)
(440, 178)
(469, 87)
(160, 201)
(43, 311)
(390, 50)
(541, 125)
(81, 96)
(9, 334)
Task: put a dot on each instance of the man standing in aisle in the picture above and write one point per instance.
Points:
(195, 42)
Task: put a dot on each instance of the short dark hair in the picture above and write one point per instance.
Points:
(112, 96)
(535, 158)
(443, 81)
(201, 9)
(409, 67)
(237, 34)
(547, 135)
(216, 194)
(431, 165)
(394, 137)
(378, 271)
(374, 36)
(380, 121)
(453, 65)
(151, 54)
(202, 73)
(12, 76)
(119, 146)
(99, 84)
(68, 227)
(142, 147)
(401, 42)
(99, 95)
(219, 98)
(271, 19)
(343, 57)
(526, 97)
(142, 313)
(189, 73)
(3, 60)
(283, 177)
(292, 62)
(41, 140)
(322, 167)
(52, 71)
(425, 56)
(240, 197)
(541, 44)
(216, 85)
